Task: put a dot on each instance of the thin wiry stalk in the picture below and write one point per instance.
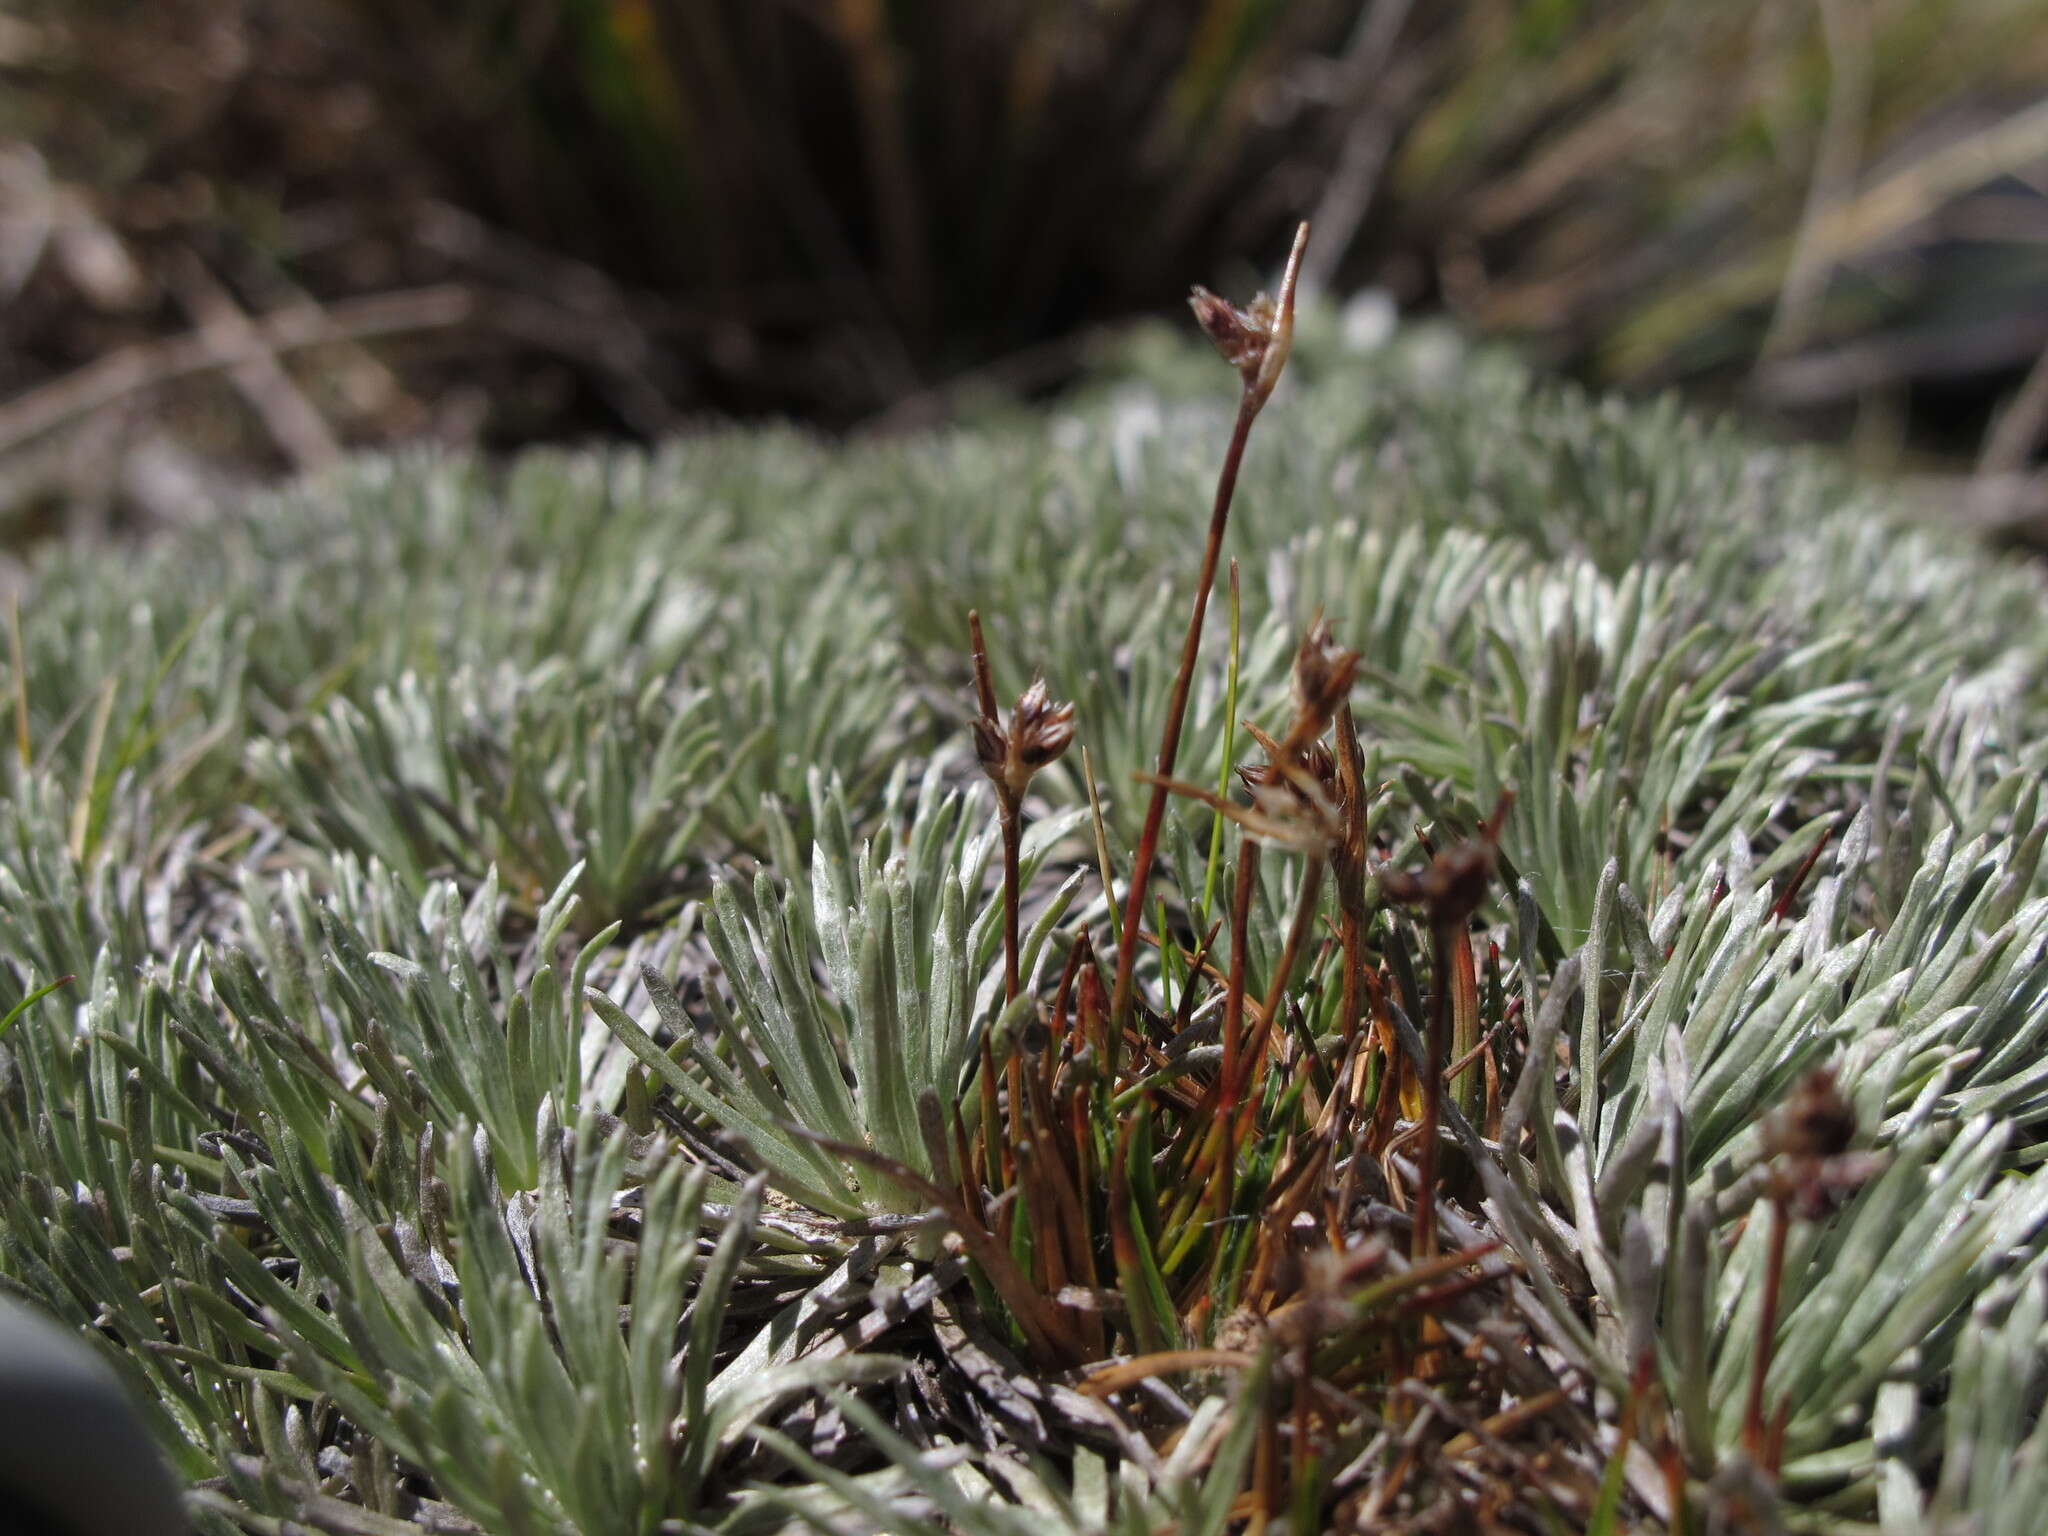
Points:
(1176, 711)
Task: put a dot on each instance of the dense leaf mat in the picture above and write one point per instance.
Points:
(333, 809)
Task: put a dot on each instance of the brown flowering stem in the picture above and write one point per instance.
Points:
(1261, 371)
(1442, 936)
(1449, 891)
(1176, 712)
(1039, 731)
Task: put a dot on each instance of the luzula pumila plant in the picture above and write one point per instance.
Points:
(1114, 1142)
(1219, 1147)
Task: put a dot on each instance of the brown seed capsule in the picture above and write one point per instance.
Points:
(1241, 335)
(1808, 1139)
(1294, 794)
(1452, 886)
(1257, 339)
(1323, 674)
(1040, 730)
(1316, 769)
(1817, 1121)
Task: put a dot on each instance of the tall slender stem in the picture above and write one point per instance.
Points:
(1169, 741)
(1013, 843)
(1007, 809)
(1443, 936)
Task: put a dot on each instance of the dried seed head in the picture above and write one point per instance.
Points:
(1269, 780)
(1316, 763)
(1040, 730)
(1323, 673)
(1241, 335)
(1817, 1121)
(1294, 795)
(1451, 887)
(1257, 339)
(1809, 1138)
(1297, 797)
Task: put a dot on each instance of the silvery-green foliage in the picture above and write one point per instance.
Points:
(860, 989)
(339, 807)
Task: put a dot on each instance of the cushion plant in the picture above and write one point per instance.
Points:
(553, 996)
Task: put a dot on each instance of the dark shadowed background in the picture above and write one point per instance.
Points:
(242, 236)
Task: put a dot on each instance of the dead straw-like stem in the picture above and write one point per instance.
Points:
(1176, 713)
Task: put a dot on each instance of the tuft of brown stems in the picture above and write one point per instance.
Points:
(1202, 1206)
